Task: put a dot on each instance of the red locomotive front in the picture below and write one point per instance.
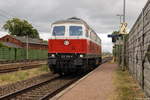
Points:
(68, 46)
(73, 46)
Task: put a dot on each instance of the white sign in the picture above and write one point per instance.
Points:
(123, 28)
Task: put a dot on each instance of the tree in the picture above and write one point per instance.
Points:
(115, 32)
(20, 27)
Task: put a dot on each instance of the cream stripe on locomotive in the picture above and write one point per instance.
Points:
(66, 35)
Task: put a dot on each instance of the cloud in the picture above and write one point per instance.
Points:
(106, 42)
(99, 14)
(3, 33)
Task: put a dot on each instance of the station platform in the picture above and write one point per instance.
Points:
(97, 85)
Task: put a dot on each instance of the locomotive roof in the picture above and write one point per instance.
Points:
(72, 20)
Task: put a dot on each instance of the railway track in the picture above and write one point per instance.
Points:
(41, 91)
(18, 68)
(47, 86)
(106, 59)
(11, 67)
(19, 61)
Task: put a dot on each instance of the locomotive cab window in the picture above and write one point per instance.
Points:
(75, 30)
(58, 31)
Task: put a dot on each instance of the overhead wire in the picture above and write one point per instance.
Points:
(7, 14)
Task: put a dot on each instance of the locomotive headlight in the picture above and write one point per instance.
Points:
(53, 55)
(81, 56)
(66, 42)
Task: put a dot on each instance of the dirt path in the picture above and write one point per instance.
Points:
(97, 86)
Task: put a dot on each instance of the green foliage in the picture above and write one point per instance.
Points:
(14, 76)
(126, 37)
(45, 41)
(1, 45)
(105, 54)
(21, 75)
(115, 32)
(20, 27)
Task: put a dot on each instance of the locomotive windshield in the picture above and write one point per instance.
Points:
(75, 30)
(58, 30)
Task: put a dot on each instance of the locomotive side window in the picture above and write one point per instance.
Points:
(75, 30)
(87, 33)
(59, 31)
(93, 36)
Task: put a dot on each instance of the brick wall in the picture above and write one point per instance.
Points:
(36, 46)
(8, 38)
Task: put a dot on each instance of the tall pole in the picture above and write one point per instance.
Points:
(119, 55)
(123, 47)
(124, 11)
(27, 44)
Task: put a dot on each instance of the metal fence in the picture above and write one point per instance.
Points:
(7, 54)
(138, 49)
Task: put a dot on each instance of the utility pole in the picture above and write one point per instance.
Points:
(119, 45)
(123, 47)
(27, 45)
(124, 11)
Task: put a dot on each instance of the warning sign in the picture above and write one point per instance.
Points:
(123, 28)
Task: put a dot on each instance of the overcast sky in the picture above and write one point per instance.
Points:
(99, 14)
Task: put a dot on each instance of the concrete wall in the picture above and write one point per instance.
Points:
(138, 49)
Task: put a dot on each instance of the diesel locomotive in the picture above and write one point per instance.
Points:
(73, 47)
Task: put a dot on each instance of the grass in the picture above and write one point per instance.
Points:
(22, 75)
(126, 87)
(44, 68)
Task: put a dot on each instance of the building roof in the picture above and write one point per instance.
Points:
(8, 44)
(30, 40)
